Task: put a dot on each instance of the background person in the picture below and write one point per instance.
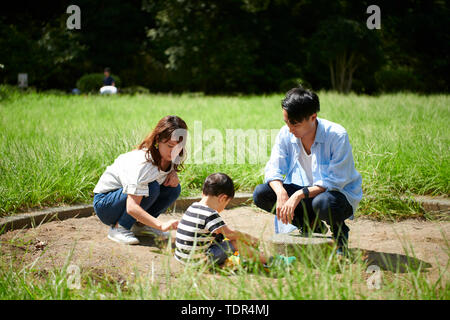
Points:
(108, 80)
(142, 184)
(109, 85)
(311, 174)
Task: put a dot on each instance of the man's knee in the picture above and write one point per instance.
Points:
(262, 196)
(322, 206)
(331, 205)
(257, 194)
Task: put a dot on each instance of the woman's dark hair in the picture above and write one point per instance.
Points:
(163, 132)
(218, 183)
(300, 104)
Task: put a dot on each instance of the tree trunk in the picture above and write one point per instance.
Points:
(352, 65)
(342, 74)
(332, 74)
(342, 71)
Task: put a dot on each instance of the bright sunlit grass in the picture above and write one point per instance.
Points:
(317, 274)
(54, 148)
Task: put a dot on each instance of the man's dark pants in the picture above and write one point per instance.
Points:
(329, 206)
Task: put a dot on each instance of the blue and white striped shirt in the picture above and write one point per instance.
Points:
(195, 233)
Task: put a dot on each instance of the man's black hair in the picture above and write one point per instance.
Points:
(300, 104)
(107, 69)
(218, 183)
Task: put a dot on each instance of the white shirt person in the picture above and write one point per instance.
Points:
(143, 183)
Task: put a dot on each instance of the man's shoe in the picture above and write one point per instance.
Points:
(342, 245)
(320, 227)
(122, 235)
(143, 230)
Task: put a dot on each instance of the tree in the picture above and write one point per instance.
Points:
(208, 44)
(344, 45)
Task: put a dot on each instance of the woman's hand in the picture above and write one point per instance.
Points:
(169, 225)
(171, 179)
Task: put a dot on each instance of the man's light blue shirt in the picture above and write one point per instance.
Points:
(332, 162)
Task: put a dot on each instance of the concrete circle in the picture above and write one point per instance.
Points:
(295, 238)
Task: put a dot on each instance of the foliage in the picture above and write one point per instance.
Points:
(343, 45)
(8, 91)
(398, 79)
(134, 90)
(229, 46)
(288, 84)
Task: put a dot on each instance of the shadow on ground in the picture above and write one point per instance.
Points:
(394, 262)
(149, 241)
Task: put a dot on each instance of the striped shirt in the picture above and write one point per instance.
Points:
(195, 233)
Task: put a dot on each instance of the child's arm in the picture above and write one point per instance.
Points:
(237, 235)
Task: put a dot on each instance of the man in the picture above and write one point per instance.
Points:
(311, 174)
(109, 85)
(108, 80)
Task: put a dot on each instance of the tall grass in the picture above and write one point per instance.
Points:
(54, 147)
(318, 274)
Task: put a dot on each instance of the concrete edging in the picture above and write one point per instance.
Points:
(32, 219)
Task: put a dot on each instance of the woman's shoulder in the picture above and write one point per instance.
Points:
(136, 156)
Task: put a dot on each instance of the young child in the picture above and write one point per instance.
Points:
(201, 231)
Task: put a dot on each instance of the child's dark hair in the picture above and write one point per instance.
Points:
(218, 183)
(107, 69)
(300, 104)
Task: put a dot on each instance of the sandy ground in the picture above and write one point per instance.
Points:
(49, 245)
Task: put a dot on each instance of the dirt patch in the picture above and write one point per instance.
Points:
(49, 245)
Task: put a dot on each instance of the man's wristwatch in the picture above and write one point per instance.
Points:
(306, 192)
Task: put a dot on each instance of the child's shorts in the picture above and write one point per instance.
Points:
(219, 252)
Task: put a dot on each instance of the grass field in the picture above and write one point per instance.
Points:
(55, 147)
(317, 275)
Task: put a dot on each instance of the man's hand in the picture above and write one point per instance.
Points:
(169, 225)
(171, 179)
(282, 198)
(287, 211)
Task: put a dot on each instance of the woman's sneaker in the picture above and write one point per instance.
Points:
(121, 235)
(143, 230)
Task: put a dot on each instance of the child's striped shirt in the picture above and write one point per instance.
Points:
(194, 232)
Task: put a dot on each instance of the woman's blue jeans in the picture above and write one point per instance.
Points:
(111, 207)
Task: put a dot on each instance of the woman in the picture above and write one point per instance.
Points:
(143, 183)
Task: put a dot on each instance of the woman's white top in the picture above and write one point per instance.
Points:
(132, 172)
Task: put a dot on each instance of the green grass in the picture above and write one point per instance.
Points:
(317, 274)
(55, 147)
